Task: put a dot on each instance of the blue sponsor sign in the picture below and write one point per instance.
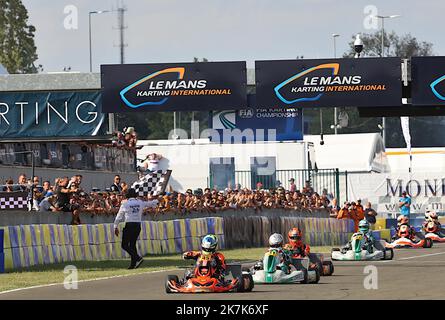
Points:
(174, 86)
(329, 82)
(263, 124)
(50, 114)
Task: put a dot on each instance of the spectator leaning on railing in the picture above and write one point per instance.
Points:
(64, 195)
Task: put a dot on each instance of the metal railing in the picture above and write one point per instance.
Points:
(319, 179)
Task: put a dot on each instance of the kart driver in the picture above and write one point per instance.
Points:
(369, 240)
(431, 216)
(276, 242)
(404, 230)
(208, 247)
(296, 245)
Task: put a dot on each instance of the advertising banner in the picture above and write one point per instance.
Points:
(428, 80)
(427, 190)
(267, 124)
(50, 114)
(174, 86)
(363, 82)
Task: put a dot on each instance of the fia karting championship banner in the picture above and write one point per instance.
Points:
(428, 80)
(50, 114)
(178, 86)
(362, 82)
(257, 124)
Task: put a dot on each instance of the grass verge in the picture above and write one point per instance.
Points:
(49, 274)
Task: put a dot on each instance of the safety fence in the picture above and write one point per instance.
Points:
(319, 179)
(254, 231)
(29, 245)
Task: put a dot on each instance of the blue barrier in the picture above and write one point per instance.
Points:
(414, 222)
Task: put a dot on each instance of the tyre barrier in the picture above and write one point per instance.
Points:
(30, 245)
(254, 231)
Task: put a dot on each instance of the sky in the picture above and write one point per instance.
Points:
(219, 30)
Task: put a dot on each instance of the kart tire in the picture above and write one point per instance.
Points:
(428, 243)
(246, 283)
(170, 278)
(317, 276)
(328, 268)
(388, 254)
(335, 249)
(306, 277)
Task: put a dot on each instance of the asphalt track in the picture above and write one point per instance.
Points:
(414, 274)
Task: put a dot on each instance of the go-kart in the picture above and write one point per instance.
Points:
(416, 240)
(433, 232)
(269, 271)
(317, 260)
(356, 251)
(202, 278)
(409, 243)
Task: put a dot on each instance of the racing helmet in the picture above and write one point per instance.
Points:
(209, 243)
(294, 236)
(276, 240)
(402, 219)
(363, 226)
(433, 215)
(430, 226)
(404, 231)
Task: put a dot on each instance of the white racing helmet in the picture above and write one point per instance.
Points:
(276, 240)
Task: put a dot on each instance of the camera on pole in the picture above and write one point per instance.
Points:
(358, 45)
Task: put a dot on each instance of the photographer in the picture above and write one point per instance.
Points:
(64, 197)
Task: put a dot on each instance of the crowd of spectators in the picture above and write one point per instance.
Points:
(66, 195)
(354, 211)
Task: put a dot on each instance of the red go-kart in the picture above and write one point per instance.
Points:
(433, 232)
(203, 279)
(407, 240)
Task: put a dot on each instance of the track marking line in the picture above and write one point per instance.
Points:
(423, 255)
(86, 280)
(101, 278)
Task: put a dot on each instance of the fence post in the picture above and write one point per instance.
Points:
(2, 253)
(210, 181)
(32, 178)
(337, 186)
(346, 182)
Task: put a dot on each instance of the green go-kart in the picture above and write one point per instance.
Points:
(357, 252)
(272, 271)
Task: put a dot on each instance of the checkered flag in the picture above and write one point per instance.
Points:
(13, 200)
(153, 183)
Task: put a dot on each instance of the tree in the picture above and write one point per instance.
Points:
(18, 52)
(405, 46)
(195, 59)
